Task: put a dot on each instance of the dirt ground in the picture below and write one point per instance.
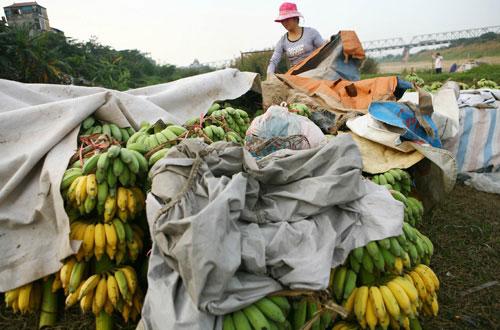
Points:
(465, 229)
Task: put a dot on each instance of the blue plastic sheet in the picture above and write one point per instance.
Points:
(402, 116)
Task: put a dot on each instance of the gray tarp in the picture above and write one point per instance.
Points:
(227, 230)
(39, 124)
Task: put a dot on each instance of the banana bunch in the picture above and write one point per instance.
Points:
(427, 284)
(231, 120)
(394, 179)
(343, 325)
(26, 298)
(300, 109)
(92, 126)
(85, 194)
(390, 255)
(304, 310)
(392, 304)
(116, 239)
(414, 209)
(144, 140)
(265, 314)
(118, 291)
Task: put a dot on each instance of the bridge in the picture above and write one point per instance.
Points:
(426, 39)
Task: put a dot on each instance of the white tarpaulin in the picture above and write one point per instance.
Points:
(38, 134)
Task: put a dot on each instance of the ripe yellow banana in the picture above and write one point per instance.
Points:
(435, 305)
(88, 241)
(408, 288)
(131, 202)
(140, 198)
(360, 303)
(370, 316)
(111, 238)
(113, 291)
(123, 215)
(81, 190)
(86, 301)
(419, 284)
(109, 208)
(378, 303)
(108, 307)
(99, 240)
(101, 294)
(89, 285)
(401, 297)
(390, 302)
(91, 186)
(406, 323)
(65, 272)
(126, 312)
(349, 304)
(11, 296)
(23, 299)
(131, 278)
(121, 198)
(72, 298)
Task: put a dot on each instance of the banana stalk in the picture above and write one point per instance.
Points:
(48, 315)
(103, 321)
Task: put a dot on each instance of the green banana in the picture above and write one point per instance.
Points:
(114, 151)
(106, 130)
(103, 162)
(111, 177)
(88, 122)
(118, 167)
(350, 283)
(124, 178)
(143, 163)
(270, 310)
(90, 164)
(358, 253)
(120, 230)
(389, 258)
(240, 321)
(367, 263)
(168, 134)
(300, 314)
(312, 308)
(125, 135)
(256, 318)
(139, 147)
(395, 247)
(115, 132)
(373, 250)
(157, 156)
(395, 174)
(282, 302)
(177, 130)
(385, 243)
(102, 192)
(228, 323)
(389, 178)
(69, 176)
(338, 282)
(355, 264)
(76, 276)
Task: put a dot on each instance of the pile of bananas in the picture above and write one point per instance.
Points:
(267, 313)
(390, 255)
(117, 239)
(394, 303)
(300, 109)
(117, 289)
(394, 179)
(227, 124)
(92, 126)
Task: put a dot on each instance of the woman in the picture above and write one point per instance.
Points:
(298, 43)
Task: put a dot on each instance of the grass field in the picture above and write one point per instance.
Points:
(465, 229)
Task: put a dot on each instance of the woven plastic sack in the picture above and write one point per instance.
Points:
(280, 129)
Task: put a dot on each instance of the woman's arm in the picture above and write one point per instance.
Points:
(317, 39)
(275, 59)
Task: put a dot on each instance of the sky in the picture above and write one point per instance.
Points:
(177, 32)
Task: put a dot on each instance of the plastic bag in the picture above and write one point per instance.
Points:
(280, 129)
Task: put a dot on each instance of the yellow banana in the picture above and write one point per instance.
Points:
(23, 299)
(435, 305)
(111, 238)
(89, 285)
(11, 296)
(378, 303)
(394, 324)
(86, 301)
(123, 215)
(113, 291)
(126, 312)
(408, 288)
(398, 265)
(401, 297)
(56, 284)
(101, 294)
(370, 316)
(110, 251)
(384, 323)
(91, 186)
(137, 301)
(88, 241)
(99, 240)
(431, 274)
(65, 272)
(419, 284)
(81, 190)
(390, 302)
(131, 202)
(139, 198)
(360, 303)
(349, 304)
(72, 189)
(95, 308)
(109, 208)
(406, 323)
(131, 278)
(72, 298)
(121, 199)
(108, 307)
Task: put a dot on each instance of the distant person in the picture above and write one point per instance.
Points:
(438, 62)
(298, 43)
(453, 67)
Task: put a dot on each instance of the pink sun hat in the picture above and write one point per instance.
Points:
(288, 10)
